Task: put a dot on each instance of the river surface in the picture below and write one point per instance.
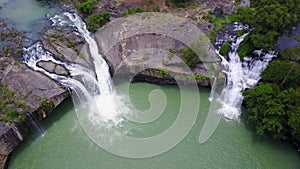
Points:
(28, 16)
(233, 144)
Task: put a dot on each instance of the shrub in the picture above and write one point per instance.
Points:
(224, 49)
(86, 7)
(190, 58)
(132, 11)
(163, 72)
(11, 109)
(212, 36)
(97, 20)
(197, 77)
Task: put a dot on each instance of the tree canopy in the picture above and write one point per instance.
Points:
(270, 18)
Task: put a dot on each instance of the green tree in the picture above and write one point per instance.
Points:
(270, 18)
(264, 111)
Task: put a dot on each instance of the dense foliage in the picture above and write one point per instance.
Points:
(224, 49)
(94, 20)
(270, 18)
(273, 107)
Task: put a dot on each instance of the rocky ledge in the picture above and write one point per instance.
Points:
(29, 87)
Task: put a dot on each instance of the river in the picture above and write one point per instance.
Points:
(66, 145)
(233, 144)
(28, 16)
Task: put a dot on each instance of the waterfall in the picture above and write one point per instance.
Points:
(92, 87)
(34, 122)
(240, 75)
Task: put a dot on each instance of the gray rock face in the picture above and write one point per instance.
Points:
(34, 86)
(31, 87)
(9, 139)
(141, 42)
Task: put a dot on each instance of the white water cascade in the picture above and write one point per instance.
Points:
(240, 75)
(93, 87)
(95, 92)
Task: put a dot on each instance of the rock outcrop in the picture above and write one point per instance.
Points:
(9, 139)
(30, 87)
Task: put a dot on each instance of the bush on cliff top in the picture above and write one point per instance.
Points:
(11, 110)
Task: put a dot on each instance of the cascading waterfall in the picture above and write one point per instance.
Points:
(94, 90)
(34, 122)
(240, 76)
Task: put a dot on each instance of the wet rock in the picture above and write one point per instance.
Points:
(53, 68)
(60, 70)
(67, 7)
(49, 66)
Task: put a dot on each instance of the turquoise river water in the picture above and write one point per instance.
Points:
(233, 144)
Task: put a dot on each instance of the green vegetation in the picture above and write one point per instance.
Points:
(212, 36)
(132, 11)
(298, 38)
(163, 72)
(64, 39)
(190, 58)
(274, 112)
(97, 20)
(86, 7)
(224, 49)
(7, 52)
(240, 33)
(177, 3)
(171, 54)
(291, 54)
(19, 52)
(273, 106)
(218, 23)
(11, 110)
(283, 74)
(68, 43)
(269, 19)
(197, 77)
(245, 48)
(46, 106)
(94, 21)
